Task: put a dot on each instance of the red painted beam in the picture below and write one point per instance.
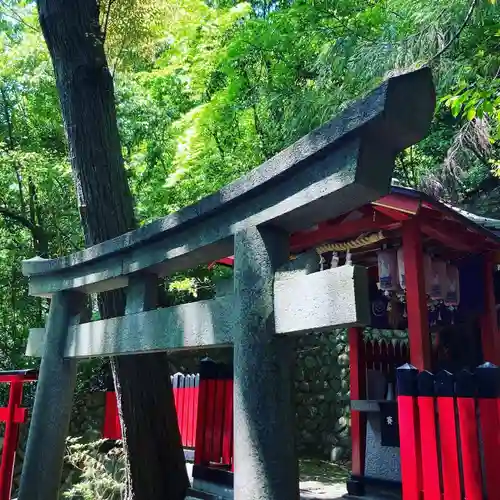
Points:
(349, 229)
(226, 261)
(418, 321)
(19, 415)
(451, 233)
(393, 213)
(455, 241)
(400, 203)
(30, 377)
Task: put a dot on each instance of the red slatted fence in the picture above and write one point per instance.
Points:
(449, 434)
(214, 440)
(13, 416)
(186, 389)
(204, 404)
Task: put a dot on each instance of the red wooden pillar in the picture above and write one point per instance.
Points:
(489, 325)
(418, 319)
(358, 391)
(11, 438)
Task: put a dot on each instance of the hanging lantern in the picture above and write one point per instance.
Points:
(439, 280)
(348, 258)
(452, 297)
(401, 268)
(335, 260)
(388, 270)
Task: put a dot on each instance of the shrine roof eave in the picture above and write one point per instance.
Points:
(332, 167)
(486, 226)
(489, 228)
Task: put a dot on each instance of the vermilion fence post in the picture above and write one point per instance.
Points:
(111, 428)
(391, 356)
(428, 436)
(488, 390)
(445, 391)
(409, 432)
(196, 398)
(214, 437)
(227, 438)
(210, 409)
(207, 369)
(11, 437)
(465, 390)
(357, 382)
(190, 389)
(185, 388)
(218, 422)
(377, 356)
(13, 416)
(180, 403)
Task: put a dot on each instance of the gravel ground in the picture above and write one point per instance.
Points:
(318, 480)
(317, 490)
(321, 480)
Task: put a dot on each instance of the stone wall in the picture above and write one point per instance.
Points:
(322, 395)
(322, 391)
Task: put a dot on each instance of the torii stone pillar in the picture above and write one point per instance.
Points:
(265, 459)
(41, 479)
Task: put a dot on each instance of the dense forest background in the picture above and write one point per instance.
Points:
(207, 90)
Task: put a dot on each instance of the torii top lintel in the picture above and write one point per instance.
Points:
(342, 165)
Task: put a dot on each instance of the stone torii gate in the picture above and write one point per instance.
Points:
(342, 165)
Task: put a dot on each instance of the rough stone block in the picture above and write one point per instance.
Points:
(320, 301)
(198, 324)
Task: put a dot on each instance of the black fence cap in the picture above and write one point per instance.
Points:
(407, 380)
(206, 359)
(407, 366)
(425, 383)
(487, 365)
(465, 384)
(444, 384)
(209, 369)
(487, 378)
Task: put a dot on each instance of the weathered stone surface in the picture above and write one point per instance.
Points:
(321, 301)
(198, 324)
(265, 460)
(304, 264)
(316, 301)
(344, 164)
(54, 397)
(224, 287)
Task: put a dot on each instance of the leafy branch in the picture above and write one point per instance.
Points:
(20, 219)
(457, 34)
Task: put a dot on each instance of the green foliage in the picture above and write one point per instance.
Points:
(95, 474)
(207, 90)
(239, 82)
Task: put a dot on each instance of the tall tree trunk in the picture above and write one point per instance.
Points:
(156, 467)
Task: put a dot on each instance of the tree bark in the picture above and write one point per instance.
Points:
(155, 459)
